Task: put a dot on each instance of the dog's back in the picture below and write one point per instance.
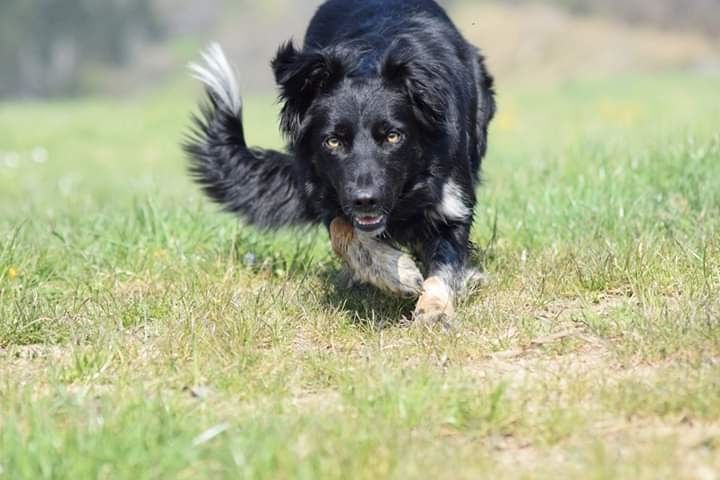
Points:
(339, 21)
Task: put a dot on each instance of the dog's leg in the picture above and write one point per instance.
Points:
(376, 262)
(437, 302)
(446, 259)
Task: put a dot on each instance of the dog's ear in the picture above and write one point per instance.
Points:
(424, 82)
(302, 76)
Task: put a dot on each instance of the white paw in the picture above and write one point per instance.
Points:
(436, 304)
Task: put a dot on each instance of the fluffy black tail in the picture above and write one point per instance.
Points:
(259, 185)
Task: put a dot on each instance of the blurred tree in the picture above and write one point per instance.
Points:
(46, 44)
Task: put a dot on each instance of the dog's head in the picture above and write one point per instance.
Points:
(362, 131)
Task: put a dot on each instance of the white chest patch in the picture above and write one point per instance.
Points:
(452, 205)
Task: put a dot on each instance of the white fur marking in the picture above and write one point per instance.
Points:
(439, 290)
(377, 263)
(217, 74)
(453, 206)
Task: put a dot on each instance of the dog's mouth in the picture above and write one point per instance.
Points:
(373, 224)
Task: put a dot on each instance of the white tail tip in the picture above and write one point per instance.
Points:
(218, 76)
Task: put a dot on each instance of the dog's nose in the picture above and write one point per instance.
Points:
(365, 200)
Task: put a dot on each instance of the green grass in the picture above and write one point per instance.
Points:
(138, 340)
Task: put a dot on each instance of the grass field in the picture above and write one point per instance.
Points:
(145, 335)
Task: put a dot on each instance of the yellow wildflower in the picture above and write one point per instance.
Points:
(13, 273)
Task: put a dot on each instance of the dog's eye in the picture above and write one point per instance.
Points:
(393, 138)
(332, 143)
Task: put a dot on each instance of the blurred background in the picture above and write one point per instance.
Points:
(70, 48)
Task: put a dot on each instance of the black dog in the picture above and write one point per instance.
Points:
(386, 108)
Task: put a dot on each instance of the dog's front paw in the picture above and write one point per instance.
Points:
(435, 306)
(376, 262)
(405, 278)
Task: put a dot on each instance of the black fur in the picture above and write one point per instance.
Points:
(369, 69)
(260, 185)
